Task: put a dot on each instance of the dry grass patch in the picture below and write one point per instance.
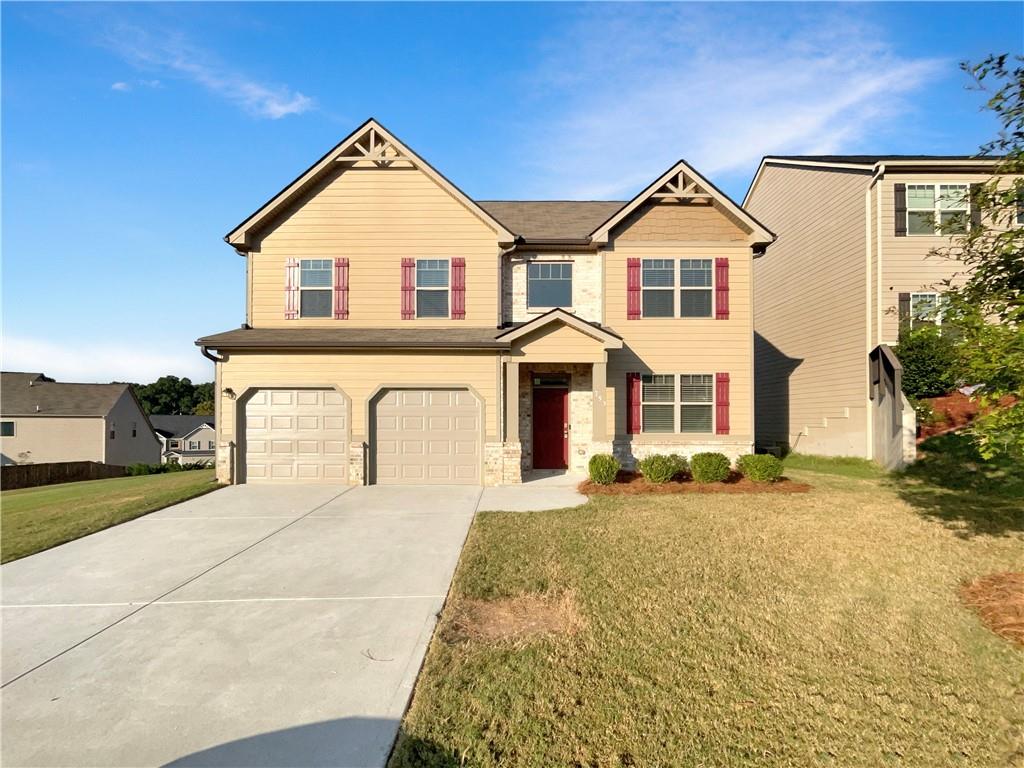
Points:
(630, 483)
(515, 619)
(999, 601)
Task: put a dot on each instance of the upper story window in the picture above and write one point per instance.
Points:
(6, 429)
(315, 282)
(209, 445)
(925, 309)
(937, 208)
(549, 284)
(682, 403)
(668, 291)
(174, 444)
(432, 287)
(194, 445)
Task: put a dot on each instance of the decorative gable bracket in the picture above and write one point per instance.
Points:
(374, 148)
(681, 188)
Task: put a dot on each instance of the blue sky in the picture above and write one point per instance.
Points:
(136, 135)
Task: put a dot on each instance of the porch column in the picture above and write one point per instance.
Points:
(599, 379)
(511, 402)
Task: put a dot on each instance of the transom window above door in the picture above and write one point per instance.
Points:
(315, 283)
(432, 278)
(676, 287)
(548, 285)
(937, 208)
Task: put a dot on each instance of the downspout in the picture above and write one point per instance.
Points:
(210, 356)
(879, 172)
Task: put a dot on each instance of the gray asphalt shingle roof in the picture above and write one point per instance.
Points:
(33, 394)
(551, 219)
(173, 425)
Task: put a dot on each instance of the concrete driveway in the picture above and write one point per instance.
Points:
(257, 625)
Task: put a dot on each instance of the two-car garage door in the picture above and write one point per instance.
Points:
(418, 436)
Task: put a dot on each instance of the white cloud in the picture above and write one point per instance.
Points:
(636, 87)
(120, 86)
(102, 362)
(173, 54)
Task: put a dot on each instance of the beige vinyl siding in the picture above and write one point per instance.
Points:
(678, 222)
(810, 299)
(375, 218)
(681, 345)
(907, 262)
(45, 439)
(359, 375)
(558, 343)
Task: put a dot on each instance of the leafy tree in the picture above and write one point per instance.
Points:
(988, 307)
(929, 361)
(204, 408)
(172, 395)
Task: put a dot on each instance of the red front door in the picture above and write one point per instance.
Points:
(550, 428)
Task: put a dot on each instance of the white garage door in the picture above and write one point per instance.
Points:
(427, 436)
(296, 435)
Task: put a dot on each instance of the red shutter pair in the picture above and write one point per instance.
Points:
(291, 289)
(633, 289)
(633, 397)
(457, 282)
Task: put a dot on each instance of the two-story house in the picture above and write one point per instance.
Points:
(185, 439)
(853, 265)
(398, 331)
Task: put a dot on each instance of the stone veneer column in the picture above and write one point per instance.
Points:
(511, 402)
(599, 382)
(357, 462)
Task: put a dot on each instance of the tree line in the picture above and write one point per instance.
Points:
(171, 395)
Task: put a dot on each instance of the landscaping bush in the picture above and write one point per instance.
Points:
(761, 467)
(682, 465)
(709, 467)
(160, 469)
(929, 363)
(604, 468)
(659, 468)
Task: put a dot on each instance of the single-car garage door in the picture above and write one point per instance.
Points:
(296, 435)
(427, 436)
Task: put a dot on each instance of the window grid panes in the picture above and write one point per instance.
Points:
(432, 287)
(925, 309)
(677, 404)
(934, 208)
(695, 287)
(549, 284)
(662, 282)
(315, 282)
(657, 287)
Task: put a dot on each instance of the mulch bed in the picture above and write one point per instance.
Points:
(629, 483)
(956, 410)
(998, 600)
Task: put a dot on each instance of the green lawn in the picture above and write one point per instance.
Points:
(34, 519)
(805, 630)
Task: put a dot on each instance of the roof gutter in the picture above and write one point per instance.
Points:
(210, 356)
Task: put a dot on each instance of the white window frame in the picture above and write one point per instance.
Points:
(936, 210)
(938, 306)
(677, 402)
(174, 445)
(329, 288)
(557, 262)
(14, 428)
(677, 288)
(195, 445)
(209, 445)
(447, 287)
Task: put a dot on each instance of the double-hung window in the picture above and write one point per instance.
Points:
(677, 403)
(937, 208)
(432, 287)
(315, 282)
(925, 309)
(549, 284)
(676, 287)
(695, 287)
(194, 445)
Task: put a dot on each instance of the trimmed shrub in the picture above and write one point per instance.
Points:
(709, 467)
(681, 464)
(604, 468)
(929, 363)
(659, 468)
(760, 467)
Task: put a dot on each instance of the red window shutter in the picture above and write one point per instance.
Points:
(291, 289)
(408, 289)
(722, 403)
(633, 403)
(722, 289)
(341, 289)
(458, 289)
(633, 289)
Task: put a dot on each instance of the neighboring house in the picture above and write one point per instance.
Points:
(185, 439)
(44, 421)
(850, 268)
(400, 332)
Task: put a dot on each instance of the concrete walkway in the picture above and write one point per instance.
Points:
(540, 490)
(257, 625)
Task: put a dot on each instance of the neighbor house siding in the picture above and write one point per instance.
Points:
(682, 345)
(124, 449)
(810, 303)
(45, 439)
(375, 218)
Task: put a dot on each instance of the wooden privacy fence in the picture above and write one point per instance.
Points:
(31, 475)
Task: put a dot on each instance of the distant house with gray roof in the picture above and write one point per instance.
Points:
(185, 439)
(44, 421)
